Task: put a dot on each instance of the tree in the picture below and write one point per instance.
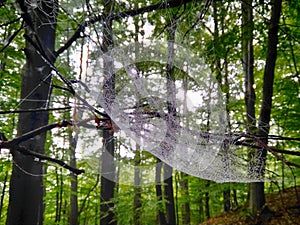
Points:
(257, 197)
(107, 157)
(26, 184)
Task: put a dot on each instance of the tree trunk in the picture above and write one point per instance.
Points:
(3, 192)
(137, 204)
(184, 183)
(227, 203)
(170, 139)
(74, 183)
(107, 180)
(59, 193)
(248, 60)
(107, 157)
(201, 209)
(26, 184)
(257, 196)
(158, 185)
(186, 212)
(169, 195)
(207, 210)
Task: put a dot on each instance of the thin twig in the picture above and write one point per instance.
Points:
(88, 195)
(10, 22)
(34, 110)
(12, 37)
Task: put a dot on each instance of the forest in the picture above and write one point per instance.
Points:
(149, 112)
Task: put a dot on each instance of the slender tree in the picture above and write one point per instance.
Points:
(171, 103)
(137, 203)
(107, 156)
(257, 196)
(161, 218)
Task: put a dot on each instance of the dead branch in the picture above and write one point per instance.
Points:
(12, 37)
(13, 145)
(25, 151)
(34, 110)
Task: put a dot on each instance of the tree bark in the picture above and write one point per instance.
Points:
(137, 201)
(170, 139)
(186, 212)
(207, 210)
(227, 202)
(137, 204)
(257, 196)
(3, 192)
(74, 183)
(26, 183)
(169, 195)
(107, 157)
(158, 188)
(248, 61)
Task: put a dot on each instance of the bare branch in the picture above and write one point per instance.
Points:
(36, 132)
(25, 151)
(88, 195)
(10, 22)
(273, 151)
(13, 145)
(34, 110)
(250, 145)
(12, 37)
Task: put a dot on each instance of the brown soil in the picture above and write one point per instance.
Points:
(282, 208)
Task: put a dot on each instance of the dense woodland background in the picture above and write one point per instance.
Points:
(253, 50)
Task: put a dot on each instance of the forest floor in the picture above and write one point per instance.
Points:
(282, 208)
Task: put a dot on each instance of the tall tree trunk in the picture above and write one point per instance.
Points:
(73, 138)
(248, 60)
(59, 193)
(158, 188)
(257, 196)
(225, 147)
(217, 69)
(207, 210)
(201, 211)
(107, 156)
(184, 186)
(3, 192)
(169, 195)
(227, 202)
(171, 102)
(137, 204)
(250, 97)
(74, 183)
(184, 183)
(26, 184)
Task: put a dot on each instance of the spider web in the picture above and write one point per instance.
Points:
(193, 139)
